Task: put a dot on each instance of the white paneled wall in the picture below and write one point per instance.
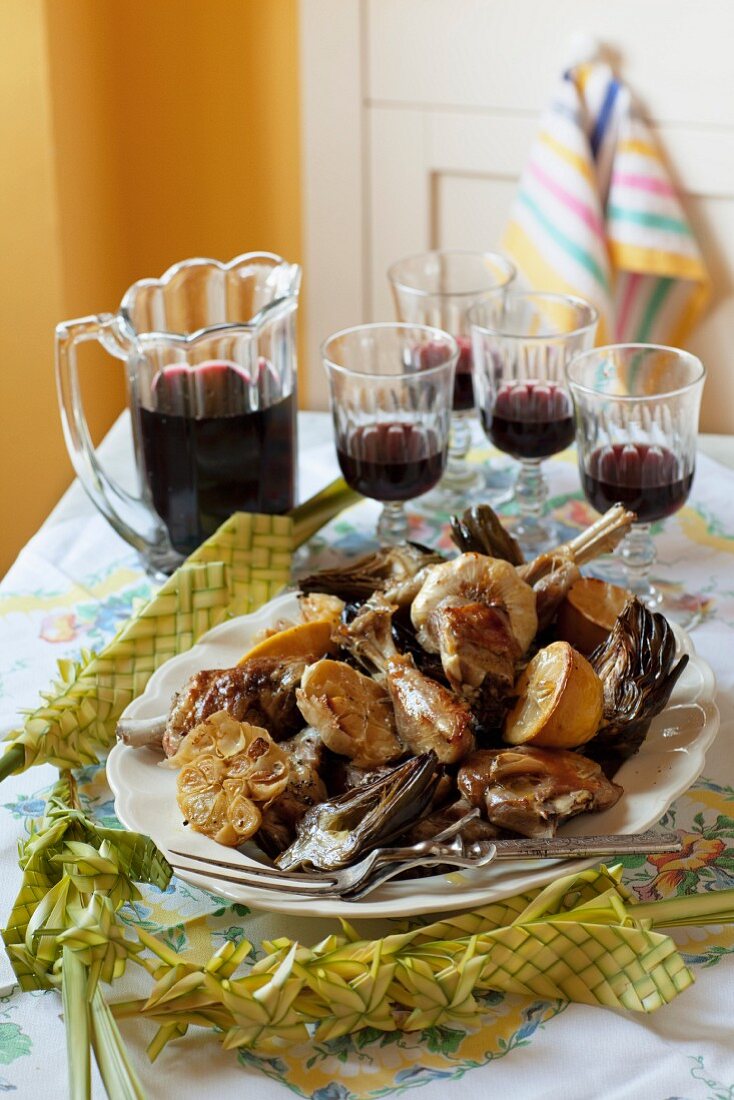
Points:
(418, 117)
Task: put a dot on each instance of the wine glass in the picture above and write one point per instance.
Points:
(522, 343)
(437, 288)
(637, 411)
(390, 387)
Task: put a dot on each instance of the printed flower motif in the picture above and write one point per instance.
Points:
(332, 1091)
(676, 869)
(26, 806)
(60, 628)
(14, 1043)
(577, 513)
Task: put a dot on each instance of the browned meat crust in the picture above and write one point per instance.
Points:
(262, 691)
(531, 791)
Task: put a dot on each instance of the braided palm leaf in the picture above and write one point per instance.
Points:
(243, 565)
(353, 995)
(75, 877)
(582, 938)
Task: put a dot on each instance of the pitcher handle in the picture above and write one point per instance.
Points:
(132, 517)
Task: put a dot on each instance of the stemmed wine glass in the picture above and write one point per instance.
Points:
(522, 343)
(437, 288)
(390, 387)
(637, 411)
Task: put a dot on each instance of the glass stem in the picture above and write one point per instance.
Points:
(392, 526)
(638, 554)
(459, 475)
(531, 490)
(459, 440)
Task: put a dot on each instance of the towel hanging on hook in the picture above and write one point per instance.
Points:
(596, 214)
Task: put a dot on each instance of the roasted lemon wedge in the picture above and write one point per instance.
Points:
(559, 700)
(307, 641)
(589, 611)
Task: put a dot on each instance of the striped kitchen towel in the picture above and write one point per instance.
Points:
(596, 215)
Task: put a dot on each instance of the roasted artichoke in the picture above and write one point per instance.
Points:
(638, 671)
(390, 565)
(339, 831)
(480, 529)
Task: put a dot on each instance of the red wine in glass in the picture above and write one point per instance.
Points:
(431, 355)
(463, 399)
(391, 461)
(530, 419)
(643, 476)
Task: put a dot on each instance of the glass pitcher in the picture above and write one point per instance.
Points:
(210, 354)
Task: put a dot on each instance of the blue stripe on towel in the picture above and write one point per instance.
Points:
(597, 134)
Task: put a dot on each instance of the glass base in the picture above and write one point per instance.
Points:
(453, 496)
(536, 536)
(159, 564)
(685, 610)
(461, 478)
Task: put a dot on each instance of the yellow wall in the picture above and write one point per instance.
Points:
(30, 286)
(145, 132)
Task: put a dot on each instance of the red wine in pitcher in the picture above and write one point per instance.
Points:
(391, 461)
(645, 478)
(530, 419)
(201, 469)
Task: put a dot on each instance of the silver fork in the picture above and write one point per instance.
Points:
(360, 878)
(447, 848)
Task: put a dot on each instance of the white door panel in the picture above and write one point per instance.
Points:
(470, 211)
(449, 94)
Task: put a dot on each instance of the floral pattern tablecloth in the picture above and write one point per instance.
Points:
(72, 586)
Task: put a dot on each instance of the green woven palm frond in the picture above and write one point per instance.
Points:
(611, 965)
(77, 720)
(136, 853)
(92, 870)
(67, 861)
(182, 993)
(97, 939)
(443, 997)
(352, 997)
(244, 564)
(565, 892)
(582, 938)
(262, 1008)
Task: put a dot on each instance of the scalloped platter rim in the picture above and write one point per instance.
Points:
(670, 760)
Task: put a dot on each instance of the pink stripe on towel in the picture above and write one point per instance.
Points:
(643, 183)
(577, 205)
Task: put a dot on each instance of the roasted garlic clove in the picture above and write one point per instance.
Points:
(352, 713)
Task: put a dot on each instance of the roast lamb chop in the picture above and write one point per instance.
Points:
(531, 791)
(261, 691)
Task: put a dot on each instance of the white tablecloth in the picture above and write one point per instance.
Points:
(70, 588)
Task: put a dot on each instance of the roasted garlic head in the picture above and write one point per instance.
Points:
(229, 771)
